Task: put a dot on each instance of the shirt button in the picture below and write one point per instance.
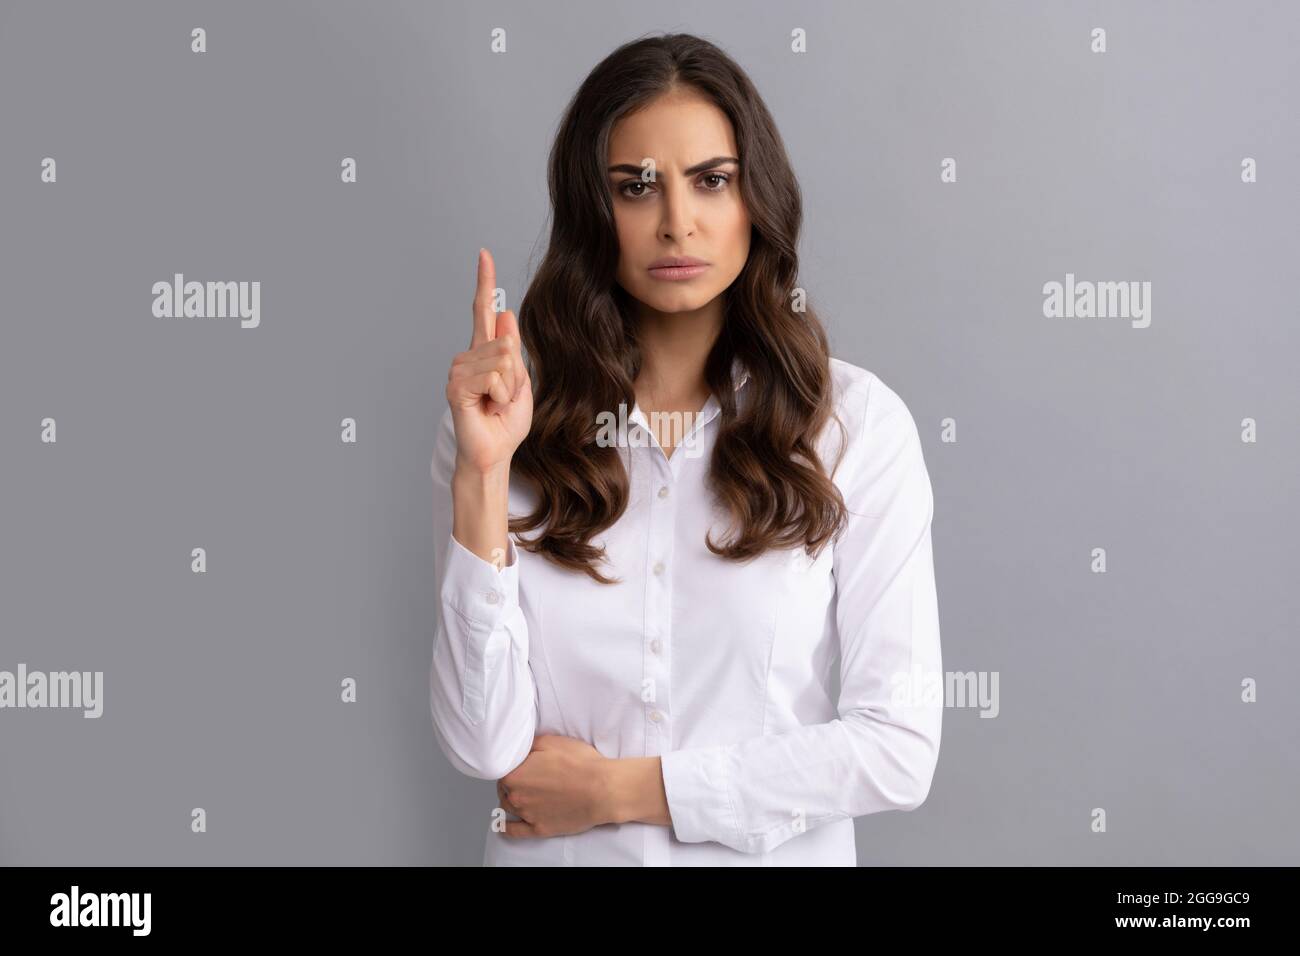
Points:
(659, 567)
(656, 716)
(663, 491)
(493, 597)
(655, 645)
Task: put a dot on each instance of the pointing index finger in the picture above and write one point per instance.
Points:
(485, 320)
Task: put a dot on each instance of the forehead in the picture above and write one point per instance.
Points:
(678, 129)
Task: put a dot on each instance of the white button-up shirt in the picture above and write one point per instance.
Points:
(721, 669)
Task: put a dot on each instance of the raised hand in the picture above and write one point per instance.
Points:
(488, 388)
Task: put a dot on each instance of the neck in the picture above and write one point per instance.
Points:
(674, 349)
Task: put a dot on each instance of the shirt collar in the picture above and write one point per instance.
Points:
(712, 408)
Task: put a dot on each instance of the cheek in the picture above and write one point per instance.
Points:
(627, 246)
(739, 232)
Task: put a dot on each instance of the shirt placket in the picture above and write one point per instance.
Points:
(656, 638)
(662, 477)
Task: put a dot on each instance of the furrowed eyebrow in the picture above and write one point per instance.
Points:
(697, 168)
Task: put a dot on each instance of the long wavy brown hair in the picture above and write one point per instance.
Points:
(578, 330)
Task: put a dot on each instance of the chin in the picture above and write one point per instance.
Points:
(683, 301)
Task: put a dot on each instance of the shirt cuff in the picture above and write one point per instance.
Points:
(479, 591)
(697, 785)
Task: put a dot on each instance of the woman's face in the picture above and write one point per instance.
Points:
(692, 207)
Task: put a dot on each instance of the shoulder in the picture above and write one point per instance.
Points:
(868, 407)
(883, 469)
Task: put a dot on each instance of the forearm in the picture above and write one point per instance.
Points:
(635, 787)
(481, 512)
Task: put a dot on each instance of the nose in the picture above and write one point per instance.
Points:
(678, 214)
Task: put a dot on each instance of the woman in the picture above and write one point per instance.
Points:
(638, 624)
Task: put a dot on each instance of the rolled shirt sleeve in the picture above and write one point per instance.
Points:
(481, 690)
(881, 752)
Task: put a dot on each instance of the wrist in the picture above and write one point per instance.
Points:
(613, 790)
(495, 477)
(630, 786)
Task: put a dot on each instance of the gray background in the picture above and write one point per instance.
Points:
(1118, 690)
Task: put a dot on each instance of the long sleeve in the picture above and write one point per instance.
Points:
(481, 689)
(880, 753)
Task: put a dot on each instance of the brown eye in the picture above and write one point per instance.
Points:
(722, 176)
(623, 190)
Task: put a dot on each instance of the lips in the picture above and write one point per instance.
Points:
(668, 262)
(677, 267)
